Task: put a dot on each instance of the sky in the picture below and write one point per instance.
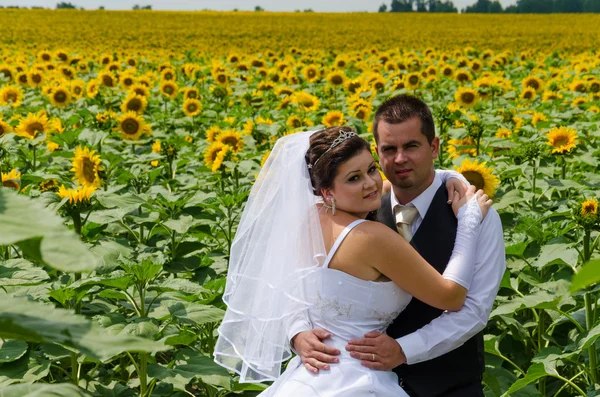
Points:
(269, 5)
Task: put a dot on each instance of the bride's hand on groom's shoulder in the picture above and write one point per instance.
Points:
(377, 351)
(314, 353)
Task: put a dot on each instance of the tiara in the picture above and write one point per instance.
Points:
(344, 136)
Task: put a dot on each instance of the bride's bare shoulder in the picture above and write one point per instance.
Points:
(371, 231)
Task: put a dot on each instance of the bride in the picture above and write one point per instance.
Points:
(307, 247)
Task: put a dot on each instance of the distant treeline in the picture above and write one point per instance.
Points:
(494, 6)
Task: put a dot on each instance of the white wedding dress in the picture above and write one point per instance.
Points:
(348, 307)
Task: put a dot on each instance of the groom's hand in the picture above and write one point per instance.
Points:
(314, 354)
(387, 352)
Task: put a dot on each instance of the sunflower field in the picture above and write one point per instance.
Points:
(129, 142)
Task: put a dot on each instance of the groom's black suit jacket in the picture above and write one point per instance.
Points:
(434, 240)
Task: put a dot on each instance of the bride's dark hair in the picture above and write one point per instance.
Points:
(323, 162)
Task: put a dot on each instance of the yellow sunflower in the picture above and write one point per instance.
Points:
(168, 89)
(92, 88)
(190, 93)
(311, 73)
(11, 95)
(86, 165)
(44, 56)
(49, 185)
(412, 81)
(479, 175)
(537, 117)
(336, 78)
(589, 208)
(231, 138)
(192, 107)
(307, 101)
(35, 78)
(168, 74)
(132, 126)
(12, 179)
(140, 89)
(562, 139)
(134, 103)
(528, 94)
(60, 96)
(156, 147)
(31, 125)
(462, 75)
(52, 146)
(210, 154)
(578, 86)
(333, 118)
(22, 78)
(503, 133)
(533, 82)
(457, 147)
(218, 162)
(81, 194)
(466, 97)
(213, 131)
(363, 112)
(107, 79)
(77, 88)
(5, 128)
(127, 80)
(294, 122)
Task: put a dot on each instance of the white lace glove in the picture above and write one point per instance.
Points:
(462, 262)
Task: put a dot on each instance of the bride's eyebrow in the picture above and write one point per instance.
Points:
(370, 165)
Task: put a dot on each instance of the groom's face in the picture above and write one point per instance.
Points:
(406, 156)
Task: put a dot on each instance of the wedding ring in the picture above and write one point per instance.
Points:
(373, 354)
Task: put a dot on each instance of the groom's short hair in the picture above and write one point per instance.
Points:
(400, 108)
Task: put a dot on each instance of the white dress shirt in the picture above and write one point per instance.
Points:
(452, 329)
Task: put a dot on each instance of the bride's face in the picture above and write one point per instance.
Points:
(357, 185)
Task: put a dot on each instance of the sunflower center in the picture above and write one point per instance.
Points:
(561, 141)
(447, 72)
(23, 79)
(11, 96)
(533, 84)
(88, 169)
(128, 81)
(337, 80)
(34, 127)
(60, 96)
(192, 107)
(231, 141)
(221, 78)
(139, 91)
(527, 95)
(413, 79)
(589, 208)
(36, 78)
(475, 178)
(107, 81)
(62, 56)
(168, 89)
(192, 95)
(11, 184)
(46, 57)
(2, 132)
(130, 126)
(468, 97)
(462, 77)
(134, 104)
(77, 90)
(311, 73)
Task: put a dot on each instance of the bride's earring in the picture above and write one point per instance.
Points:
(330, 207)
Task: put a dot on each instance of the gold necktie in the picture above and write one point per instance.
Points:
(405, 215)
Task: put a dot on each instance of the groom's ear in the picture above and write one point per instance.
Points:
(435, 147)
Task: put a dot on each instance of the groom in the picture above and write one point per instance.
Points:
(434, 353)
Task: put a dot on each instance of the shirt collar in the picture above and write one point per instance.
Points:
(423, 200)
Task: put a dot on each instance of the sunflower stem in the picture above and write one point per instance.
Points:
(76, 216)
(34, 165)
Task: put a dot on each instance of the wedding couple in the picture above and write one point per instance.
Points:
(312, 270)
